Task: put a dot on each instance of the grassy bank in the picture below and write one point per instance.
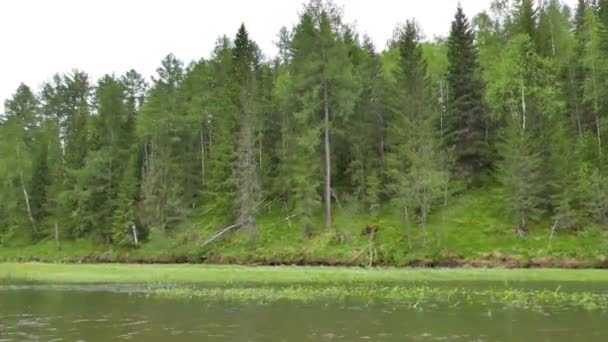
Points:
(192, 274)
(473, 230)
(417, 289)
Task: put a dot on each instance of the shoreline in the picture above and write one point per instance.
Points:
(234, 274)
(492, 260)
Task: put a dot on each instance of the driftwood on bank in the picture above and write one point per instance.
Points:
(370, 248)
(552, 232)
(220, 233)
(288, 218)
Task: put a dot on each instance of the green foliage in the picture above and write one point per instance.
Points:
(513, 103)
(415, 165)
(467, 125)
(525, 18)
(321, 82)
(520, 175)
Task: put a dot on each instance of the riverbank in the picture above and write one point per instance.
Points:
(201, 274)
(472, 231)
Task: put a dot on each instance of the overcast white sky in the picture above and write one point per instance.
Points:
(42, 37)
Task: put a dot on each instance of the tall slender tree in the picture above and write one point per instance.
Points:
(245, 56)
(323, 84)
(414, 162)
(467, 125)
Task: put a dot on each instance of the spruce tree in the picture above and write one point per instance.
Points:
(125, 224)
(40, 181)
(324, 89)
(415, 166)
(365, 130)
(519, 174)
(160, 128)
(245, 56)
(467, 125)
(525, 17)
(19, 130)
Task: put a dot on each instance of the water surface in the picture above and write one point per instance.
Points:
(124, 312)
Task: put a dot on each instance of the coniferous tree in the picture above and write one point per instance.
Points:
(245, 56)
(519, 94)
(125, 224)
(366, 131)
(467, 125)
(40, 181)
(415, 165)
(323, 84)
(217, 131)
(159, 128)
(525, 17)
(22, 123)
(519, 174)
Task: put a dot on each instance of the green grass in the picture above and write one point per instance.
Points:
(190, 274)
(413, 288)
(473, 230)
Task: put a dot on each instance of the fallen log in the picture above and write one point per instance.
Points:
(220, 233)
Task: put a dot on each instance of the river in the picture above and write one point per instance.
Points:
(125, 312)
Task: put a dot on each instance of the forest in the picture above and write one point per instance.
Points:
(494, 135)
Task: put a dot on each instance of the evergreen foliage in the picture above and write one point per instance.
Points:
(514, 99)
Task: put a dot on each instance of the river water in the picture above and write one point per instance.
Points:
(115, 313)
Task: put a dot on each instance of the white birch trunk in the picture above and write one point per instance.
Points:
(24, 189)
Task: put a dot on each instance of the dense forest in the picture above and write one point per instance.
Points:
(514, 100)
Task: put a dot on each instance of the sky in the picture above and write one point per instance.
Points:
(42, 37)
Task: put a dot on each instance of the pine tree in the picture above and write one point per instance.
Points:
(525, 17)
(109, 150)
(414, 163)
(322, 84)
(466, 124)
(22, 122)
(602, 13)
(245, 65)
(40, 182)
(213, 103)
(24, 108)
(76, 113)
(365, 131)
(161, 129)
(519, 174)
(125, 225)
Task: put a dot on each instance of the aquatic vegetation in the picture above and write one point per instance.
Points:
(539, 290)
(414, 297)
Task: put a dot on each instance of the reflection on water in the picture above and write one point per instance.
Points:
(111, 312)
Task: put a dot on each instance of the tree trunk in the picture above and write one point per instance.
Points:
(57, 237)
(327, 161)
(246, 174)
(284, 136)
(599, 135)
(597, 117)
(202, 157)
(135, 240)
(523, 107)
(25, 194)
(441, 112)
